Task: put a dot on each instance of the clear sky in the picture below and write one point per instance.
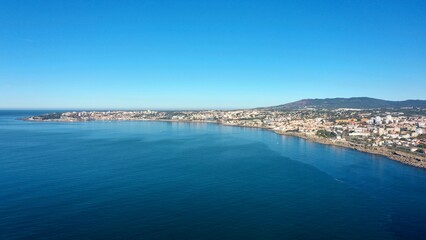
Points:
(208, 54)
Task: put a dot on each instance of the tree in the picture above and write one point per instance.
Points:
(326, 134)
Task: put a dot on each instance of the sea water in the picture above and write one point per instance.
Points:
(169, 180)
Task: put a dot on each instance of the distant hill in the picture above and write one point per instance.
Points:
(355, 102)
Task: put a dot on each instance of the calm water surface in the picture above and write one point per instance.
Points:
(157, 180)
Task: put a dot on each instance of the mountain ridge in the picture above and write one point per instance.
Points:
(353, 102)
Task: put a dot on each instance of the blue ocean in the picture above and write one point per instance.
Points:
(172, 181)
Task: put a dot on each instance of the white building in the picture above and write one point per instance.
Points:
(378, 120)
(388, 119)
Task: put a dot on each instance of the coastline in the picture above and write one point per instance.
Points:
(402, 157)
(394, 155)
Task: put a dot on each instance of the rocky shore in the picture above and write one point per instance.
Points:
(403, 157)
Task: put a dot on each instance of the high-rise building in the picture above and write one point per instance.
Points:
(388, 119)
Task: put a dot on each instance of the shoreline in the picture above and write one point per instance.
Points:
(395, 155)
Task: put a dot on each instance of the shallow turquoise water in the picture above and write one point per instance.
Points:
(157, 180)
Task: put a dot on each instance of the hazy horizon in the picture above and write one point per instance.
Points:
(166, 109)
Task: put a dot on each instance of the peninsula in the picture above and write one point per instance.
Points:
(398, 133)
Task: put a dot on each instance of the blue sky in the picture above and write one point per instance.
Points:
(208, 54)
